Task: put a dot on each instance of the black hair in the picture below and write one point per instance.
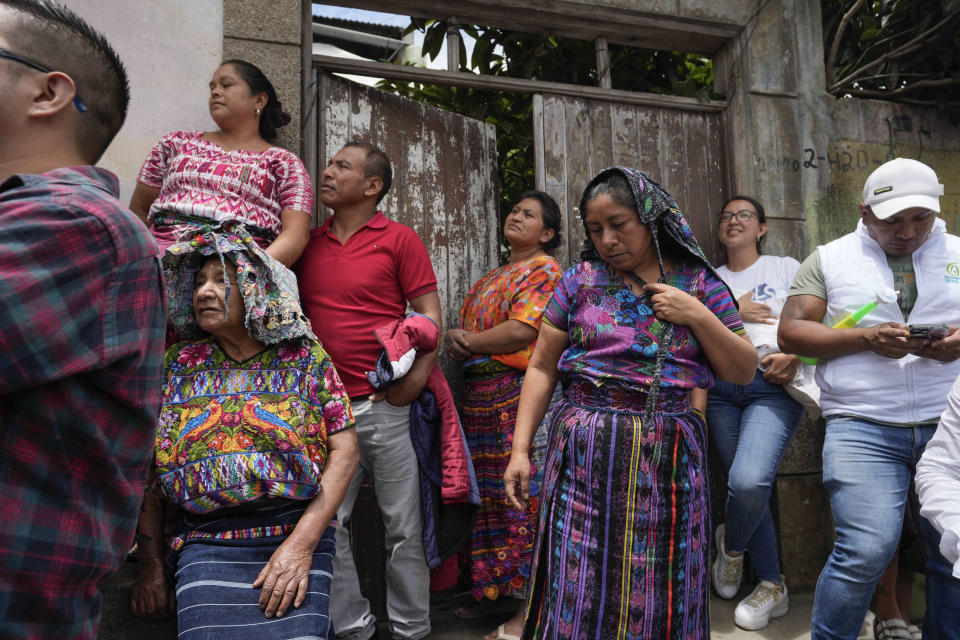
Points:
(550, 213)
(59, 39)
(761, 218)
(616, 186)
(273, 116)
(377, 164)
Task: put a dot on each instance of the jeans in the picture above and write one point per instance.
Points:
(868, 472)
(383, 433)
(751, 427)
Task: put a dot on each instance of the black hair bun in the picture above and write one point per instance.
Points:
(279, 117)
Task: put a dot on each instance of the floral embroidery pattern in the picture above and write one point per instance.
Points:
(613, 332)
(231, 432)
(512, 292)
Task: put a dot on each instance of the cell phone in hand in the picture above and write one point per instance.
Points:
(928, 331)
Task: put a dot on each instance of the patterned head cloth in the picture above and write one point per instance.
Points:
(658, 210)
(269, 289)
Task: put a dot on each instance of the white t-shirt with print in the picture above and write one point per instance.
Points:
(769, 279)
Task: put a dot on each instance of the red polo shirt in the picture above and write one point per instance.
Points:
(349, 290)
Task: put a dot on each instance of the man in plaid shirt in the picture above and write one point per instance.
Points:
(82, 318)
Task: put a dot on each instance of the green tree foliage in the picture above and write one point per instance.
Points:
(901, 50)
(501, 52)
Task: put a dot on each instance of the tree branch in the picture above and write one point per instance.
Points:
(835, 45)
(907, 47)
(869, 93)
(896, 53)
(888, 75)
(940, 82)
(867, 52)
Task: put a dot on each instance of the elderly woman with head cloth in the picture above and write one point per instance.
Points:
(254, 446)
(639, 321)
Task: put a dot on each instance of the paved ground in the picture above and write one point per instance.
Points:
(119, 624)
(793, 626)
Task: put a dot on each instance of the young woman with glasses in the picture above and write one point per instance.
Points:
(752, 425)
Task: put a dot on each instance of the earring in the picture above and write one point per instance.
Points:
(259, 111)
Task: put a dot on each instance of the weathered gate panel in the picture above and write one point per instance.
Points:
(680, 149)
(444, 168)
(444, 187)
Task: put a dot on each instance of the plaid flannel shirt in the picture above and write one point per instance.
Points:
(82, 321)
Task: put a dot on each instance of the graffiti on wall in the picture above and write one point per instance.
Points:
(846, 165)
(811, 159)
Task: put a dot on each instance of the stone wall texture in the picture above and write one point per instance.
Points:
(268, 34)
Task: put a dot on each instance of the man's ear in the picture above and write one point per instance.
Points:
(53, 92)
(376, 184)
(864, 211)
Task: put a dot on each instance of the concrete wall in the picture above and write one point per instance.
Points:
(730, 11)
(778, 107)
(170, 50)
(867, 134)
(267, 33)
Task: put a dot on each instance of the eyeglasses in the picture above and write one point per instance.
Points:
(9, 55)
(743, 215)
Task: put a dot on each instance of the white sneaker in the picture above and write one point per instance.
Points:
(768, 600)
(727, 570)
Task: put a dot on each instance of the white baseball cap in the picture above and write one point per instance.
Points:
(901, 184)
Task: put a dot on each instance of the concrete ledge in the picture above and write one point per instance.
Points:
(269, 20)
(805, 528)
(805, 453)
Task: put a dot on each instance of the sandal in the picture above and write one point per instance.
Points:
(892, 629)
(915, 632)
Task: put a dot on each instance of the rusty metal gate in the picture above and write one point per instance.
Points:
(682, 149)
(444, 187)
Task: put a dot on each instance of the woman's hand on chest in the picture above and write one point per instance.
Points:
(675, 305)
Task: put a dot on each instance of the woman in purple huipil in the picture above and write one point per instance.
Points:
(623, 539)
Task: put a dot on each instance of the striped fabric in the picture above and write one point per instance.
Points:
(502, 539)
(623, 545)
(215, 599)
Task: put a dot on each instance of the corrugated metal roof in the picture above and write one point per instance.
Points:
(365, 27)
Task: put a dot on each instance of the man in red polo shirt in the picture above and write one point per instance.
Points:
(358, 273)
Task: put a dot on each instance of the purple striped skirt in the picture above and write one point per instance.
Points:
(622, 547)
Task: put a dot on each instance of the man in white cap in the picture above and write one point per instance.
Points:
(884, 384)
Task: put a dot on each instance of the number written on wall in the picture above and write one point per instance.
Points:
(840, 161)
